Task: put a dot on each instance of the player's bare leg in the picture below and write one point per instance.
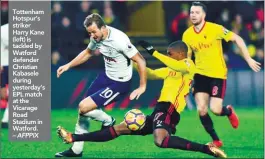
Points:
(216, 105)
(97, 136)
(202, 100)
(159, 136)
(87, 105)
(164, 140)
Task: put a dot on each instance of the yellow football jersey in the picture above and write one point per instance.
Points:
(177, 77)
(207, 47)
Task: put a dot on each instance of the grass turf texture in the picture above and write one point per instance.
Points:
(245, 142)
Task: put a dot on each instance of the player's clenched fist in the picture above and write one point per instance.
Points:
(147, 46)
(62, 69)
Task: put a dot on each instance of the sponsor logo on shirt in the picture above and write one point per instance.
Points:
(109, 59)
(201, 46)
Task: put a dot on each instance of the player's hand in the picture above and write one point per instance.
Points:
(254, 65)
(62, 69)
(137, 93)
(147, 46)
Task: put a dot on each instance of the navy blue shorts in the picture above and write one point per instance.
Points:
(105, 91)
(4, 76)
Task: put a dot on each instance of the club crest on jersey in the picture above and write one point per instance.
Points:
(110, 50)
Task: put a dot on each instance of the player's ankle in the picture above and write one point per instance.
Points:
(207, 150)
(73, 137)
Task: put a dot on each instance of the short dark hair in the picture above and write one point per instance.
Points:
(204, 8)
(94, 18)
(179, 46)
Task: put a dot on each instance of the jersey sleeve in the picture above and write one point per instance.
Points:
(126, 47)
(160, 73)
(185, 40)
(223, 33)
(92, 44)
(179, 66)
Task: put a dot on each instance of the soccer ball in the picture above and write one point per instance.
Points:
(134, 119)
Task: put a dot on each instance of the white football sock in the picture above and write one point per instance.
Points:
(99, 115)
(83, 124)
(5, 116)
(81, 127)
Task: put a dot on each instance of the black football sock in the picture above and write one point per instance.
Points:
(183, 144)
(226, 112)
(208, 126)
(97, 136)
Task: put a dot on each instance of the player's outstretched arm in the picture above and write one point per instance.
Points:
(179, 66)
(153, 74)
(254, 65)
(140, 61)
(79, 59)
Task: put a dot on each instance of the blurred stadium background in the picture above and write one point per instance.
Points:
(160, 23)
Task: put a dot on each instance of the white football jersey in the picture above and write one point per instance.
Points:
(117, 51)
(4, 45)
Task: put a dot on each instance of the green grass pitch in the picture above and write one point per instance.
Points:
(245, 142)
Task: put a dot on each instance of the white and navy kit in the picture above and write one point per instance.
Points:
(114, 83)
(4, 55)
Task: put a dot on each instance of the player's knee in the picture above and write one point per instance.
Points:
(3, 94)
(159, 141)
(202, 109)
(82, 108)
(216, 109)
